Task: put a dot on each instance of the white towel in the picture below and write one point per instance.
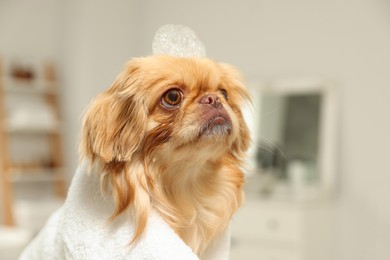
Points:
(80, 230)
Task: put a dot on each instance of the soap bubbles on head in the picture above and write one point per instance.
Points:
(177, 40)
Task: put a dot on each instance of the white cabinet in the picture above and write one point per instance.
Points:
(283, 230)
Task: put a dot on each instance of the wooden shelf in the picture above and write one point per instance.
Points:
(31, 130)
(43, 91)
(33, 169)
(28, 87)
(36, 177)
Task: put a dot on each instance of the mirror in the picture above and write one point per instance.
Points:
(293, 128)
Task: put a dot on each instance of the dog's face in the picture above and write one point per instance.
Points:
(166, 106)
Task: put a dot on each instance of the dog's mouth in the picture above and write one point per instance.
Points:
(215, 122)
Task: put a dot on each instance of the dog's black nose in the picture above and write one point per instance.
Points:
(211, 99)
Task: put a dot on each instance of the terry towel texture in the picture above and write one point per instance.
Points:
(80, 230)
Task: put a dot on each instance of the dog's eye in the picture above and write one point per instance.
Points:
(171, 99)
(224, 93)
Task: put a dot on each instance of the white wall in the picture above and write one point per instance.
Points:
(98, 38)
(348, 41)
(29, 28)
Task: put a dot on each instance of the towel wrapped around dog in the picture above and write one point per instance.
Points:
(81, 230)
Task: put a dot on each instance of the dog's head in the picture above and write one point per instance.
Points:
(165, 113)
(167, 104)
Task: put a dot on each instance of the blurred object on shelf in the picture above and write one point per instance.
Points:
(30, 117)
(22, 71)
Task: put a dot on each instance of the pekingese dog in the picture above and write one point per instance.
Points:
(170, 136)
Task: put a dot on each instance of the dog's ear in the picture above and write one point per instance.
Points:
(233, 78)
(115, 122)
(241, 144)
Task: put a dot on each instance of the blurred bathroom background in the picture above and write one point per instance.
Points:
(318, 175)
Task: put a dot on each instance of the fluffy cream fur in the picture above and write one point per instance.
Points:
(182, 160)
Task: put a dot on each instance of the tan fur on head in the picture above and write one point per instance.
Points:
(182, 160)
